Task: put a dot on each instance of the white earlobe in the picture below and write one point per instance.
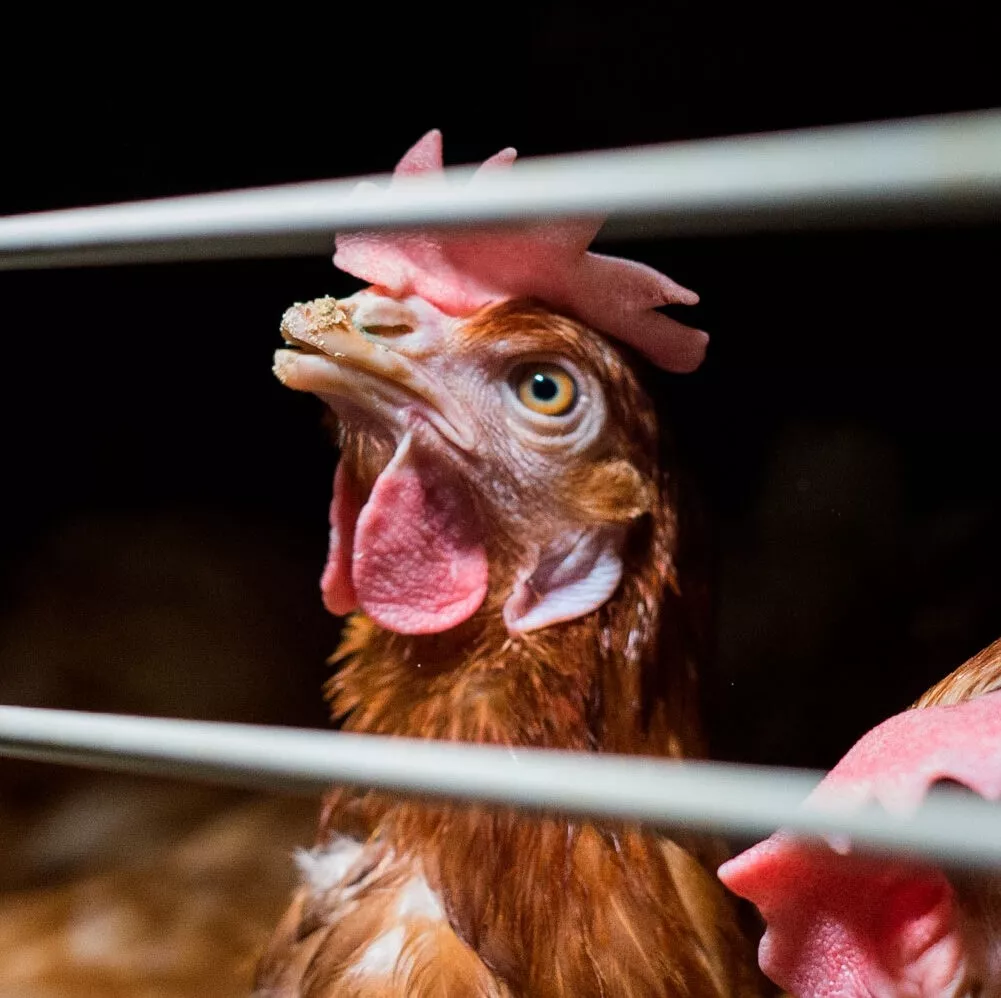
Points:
(571, 578)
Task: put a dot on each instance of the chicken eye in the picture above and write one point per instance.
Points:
(547, 389)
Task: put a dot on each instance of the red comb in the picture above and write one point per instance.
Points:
(461, 270)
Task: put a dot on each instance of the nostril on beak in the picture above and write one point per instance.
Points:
(378, 331)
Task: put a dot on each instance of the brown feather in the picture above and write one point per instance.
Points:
(978, 675)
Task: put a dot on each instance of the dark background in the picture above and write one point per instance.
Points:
(164, 499)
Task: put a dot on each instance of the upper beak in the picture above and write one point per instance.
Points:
(334, 360)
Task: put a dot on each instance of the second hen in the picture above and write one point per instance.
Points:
(502, 519)
(853, 925)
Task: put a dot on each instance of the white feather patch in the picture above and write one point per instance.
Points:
(326, 866)
(380, 957)
(418, 899)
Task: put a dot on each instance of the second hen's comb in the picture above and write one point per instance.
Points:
(461, 270)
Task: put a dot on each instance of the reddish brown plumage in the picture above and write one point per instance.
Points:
(978, 675)
(532, 907)
(186, 920)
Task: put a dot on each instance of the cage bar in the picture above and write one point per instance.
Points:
(700, 796)
(912, 171)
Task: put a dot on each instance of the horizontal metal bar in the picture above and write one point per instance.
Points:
(914, 170)
(712, 797)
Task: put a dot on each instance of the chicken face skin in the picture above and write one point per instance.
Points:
(538, 433)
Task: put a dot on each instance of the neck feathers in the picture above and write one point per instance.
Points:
(620, 679)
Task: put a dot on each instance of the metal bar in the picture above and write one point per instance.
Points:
(711, 797)
(915, 171)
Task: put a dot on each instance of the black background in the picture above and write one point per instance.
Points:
(164, 499)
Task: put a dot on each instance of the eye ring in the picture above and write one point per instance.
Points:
(544, 388)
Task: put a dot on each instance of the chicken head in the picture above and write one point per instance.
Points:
(496, 459)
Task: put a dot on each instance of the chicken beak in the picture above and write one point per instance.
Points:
(334, 360)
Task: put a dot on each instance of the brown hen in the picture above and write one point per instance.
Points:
(537, 601)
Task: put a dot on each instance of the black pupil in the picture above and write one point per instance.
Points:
(544, 388)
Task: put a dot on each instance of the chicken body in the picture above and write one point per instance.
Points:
(526, 442)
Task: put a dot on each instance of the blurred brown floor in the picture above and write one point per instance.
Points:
(113, 885)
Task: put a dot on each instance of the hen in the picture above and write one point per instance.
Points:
(845, 924)
(504, 524)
